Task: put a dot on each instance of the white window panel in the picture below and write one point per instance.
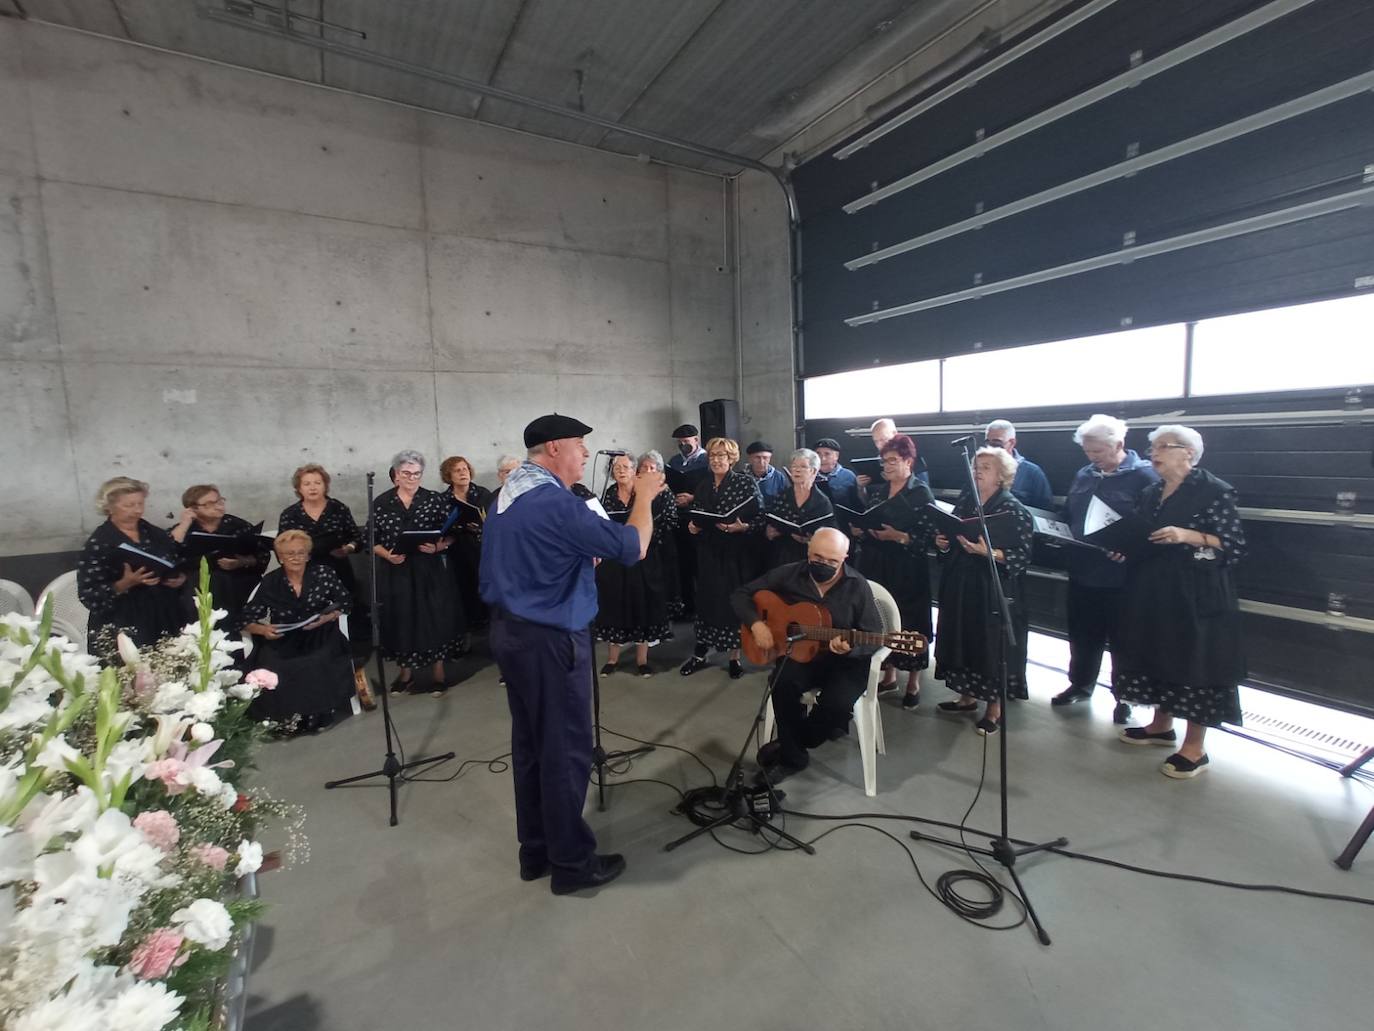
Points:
(894, 389)
(1303, 347)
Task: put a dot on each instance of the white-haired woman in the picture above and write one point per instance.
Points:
(421, 616)
(120, 589)
(314, 671)
(1180, 647)
(1116, 476)
(799, 504)
(633, 602)
(969, 640)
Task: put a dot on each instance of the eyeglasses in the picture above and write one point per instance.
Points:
(216, 503)
(409, 474)
(892, 460)
(1157, 448)
(996, 443)
(717, 454)
(293, 554)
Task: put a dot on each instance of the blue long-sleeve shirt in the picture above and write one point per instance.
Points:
(1121, 490)
(1031, 486)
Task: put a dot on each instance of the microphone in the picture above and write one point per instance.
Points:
(796, 635)
(613, 454)
(972, 438)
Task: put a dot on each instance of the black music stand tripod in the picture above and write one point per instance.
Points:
(392, 767)
(733, 801)
(1001, 848)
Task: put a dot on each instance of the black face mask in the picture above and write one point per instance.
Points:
(820, 572)
(686, 449)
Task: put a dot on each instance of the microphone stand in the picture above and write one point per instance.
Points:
(600, 757)
(733, 801)
(1001, 848)
(392, 768)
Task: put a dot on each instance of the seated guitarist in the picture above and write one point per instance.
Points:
(838, 675)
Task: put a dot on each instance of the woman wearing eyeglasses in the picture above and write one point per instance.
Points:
(1181, 648)
(420, 612)
(294, 616)
(233, 573)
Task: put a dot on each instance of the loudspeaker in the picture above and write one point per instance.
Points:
(720, 418)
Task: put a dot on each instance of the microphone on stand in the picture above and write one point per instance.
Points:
(796, 635)
(972, 438)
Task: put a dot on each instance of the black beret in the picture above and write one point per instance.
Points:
(757, 446)
(554, 427)
(830, 442)
(686, 430)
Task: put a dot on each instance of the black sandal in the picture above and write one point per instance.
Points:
(608, 669)
(693, 665)
(957, 707)
(736, 670)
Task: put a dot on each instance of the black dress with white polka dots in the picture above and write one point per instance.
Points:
(1180, 644)
(724, 560)
(421, 615)
(314, 672)
(334, 529)
(145, 613)
(229, 588)
(633, 604)
(903, 568)
(968, 641)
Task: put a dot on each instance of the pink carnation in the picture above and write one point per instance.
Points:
(158, 955)
(211, 855)
(166, 770)
(263, 679)
(160, 828)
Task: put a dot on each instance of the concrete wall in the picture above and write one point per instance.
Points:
(210, 274)
(767, 403)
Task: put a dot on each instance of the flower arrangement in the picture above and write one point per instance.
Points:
(125, 826)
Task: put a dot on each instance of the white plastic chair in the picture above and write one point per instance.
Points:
(69, 616)
(13, 598)
(868, 718)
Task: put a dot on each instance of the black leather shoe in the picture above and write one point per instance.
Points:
(736, 670)
(774, 774)
(693, 665)
(769, 753)
(1072, 695)
(603, 870)
(1122, 713)
(534, 871)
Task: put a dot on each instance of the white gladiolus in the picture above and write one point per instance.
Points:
(128, 651)
(55, 755)
(205, 922)
(250, 858)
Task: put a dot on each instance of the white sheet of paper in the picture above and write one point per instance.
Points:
(1099, 516)
(944, 506)
(1053, 527)
(595, 506)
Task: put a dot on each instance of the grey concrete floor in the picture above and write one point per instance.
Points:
(426, 925)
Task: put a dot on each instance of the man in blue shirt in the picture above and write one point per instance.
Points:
(1031, 486)
(538, 546)
(835, 481)
(691, 456)
(1118, 477)
(772, 481)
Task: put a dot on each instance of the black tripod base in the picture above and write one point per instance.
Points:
(602, 758)
(1005, 852)
(391, 770)
(733, 805)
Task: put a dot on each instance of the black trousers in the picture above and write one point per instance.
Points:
(1093, 615)
(838, 680)
(548, 675)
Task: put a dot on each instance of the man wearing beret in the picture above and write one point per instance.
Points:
(538, 546)
(772, 481)
(835, 481)
(691, 456)
(690, 460)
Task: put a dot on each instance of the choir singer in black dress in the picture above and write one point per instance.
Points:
(294, 616)
(896, 558)
(420, 612)
(1181, 648)
(233, 574)
(633, 603)
(725, 553)
(121, 592)
(465, 556)
(799, 503)
(334, 534)
(969, 640)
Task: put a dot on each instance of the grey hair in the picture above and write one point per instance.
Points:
(1185, 435)
(1101, 427)
(1000, 424)
(812, 459)
(885, 423)
(507, 460)
(531, 452)
(652, 455)
(1004, 459)
(407, 455)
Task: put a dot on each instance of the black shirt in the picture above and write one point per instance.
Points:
(850, 602)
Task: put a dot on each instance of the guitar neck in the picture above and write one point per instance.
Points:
(829, 633)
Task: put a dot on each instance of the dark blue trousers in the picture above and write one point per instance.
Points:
(548, 675)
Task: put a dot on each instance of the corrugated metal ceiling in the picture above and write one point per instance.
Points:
(719, 73)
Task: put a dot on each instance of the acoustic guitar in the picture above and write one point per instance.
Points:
(808, 624)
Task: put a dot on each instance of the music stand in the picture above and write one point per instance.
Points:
(391, 766)
(1001, 848)
(732, 801)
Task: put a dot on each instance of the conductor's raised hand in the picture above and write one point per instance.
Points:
(648, 483)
